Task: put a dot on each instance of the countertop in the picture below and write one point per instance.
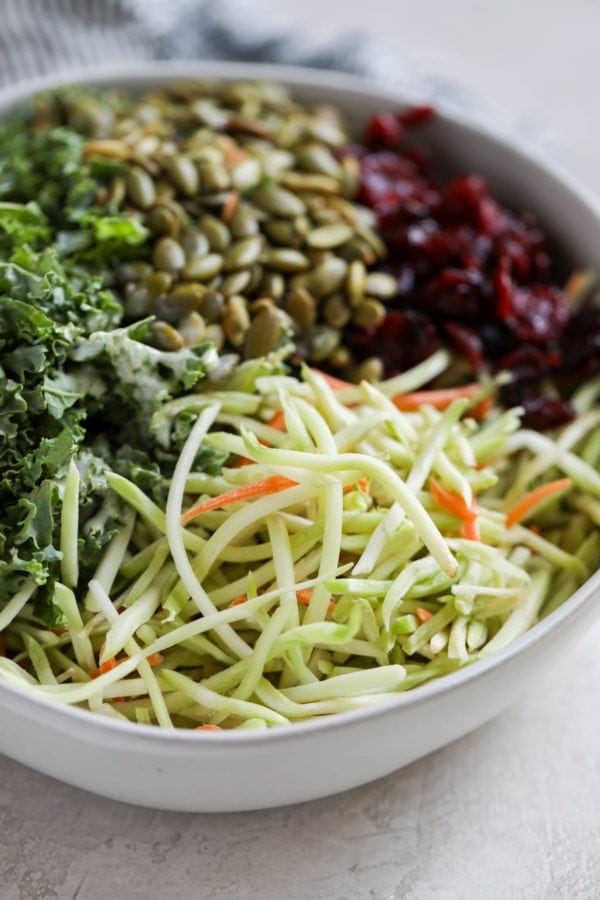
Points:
(510, 811)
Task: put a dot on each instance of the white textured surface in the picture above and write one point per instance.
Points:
(511, 811)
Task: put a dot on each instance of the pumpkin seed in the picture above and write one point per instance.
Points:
(327, 277)
(212, 307)
(140, 187)
(165, 337)
(369, 313)
(278, 201)
(168, 255)
(192, 329)
(381, 285)
(369, 370)
(272, 285)
(244, 222)
(163, 219)
(283, 232)
(215, 176)
(158, 283)
(136, 303)
(356, 282)
(186, 297)
(203, 268)
(286, 260)
(246, 174)
(340, 358)
(265, 332)
(133, 271)
(321, 341)
(329, 236)
(184, 174)
(215, 335)
(301, 306)
(194, 243)
(217, 233)
(236, 320)
(243, 253)
(318, 159)
(336, 311)
(302, 181)
(236, 283)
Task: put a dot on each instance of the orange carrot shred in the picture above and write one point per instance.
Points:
(58, 631)
(470, 530)
(238, 601)
(155, 659)
(423, 615)
(441, 399)
(451, 501)
(208, 728)
(104, 667)
(336, 384)
(278, 421)
(304, 597)
(271, 485)
(528, 503)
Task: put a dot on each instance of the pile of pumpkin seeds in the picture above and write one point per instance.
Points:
(255, 236)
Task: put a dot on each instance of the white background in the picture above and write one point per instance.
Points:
(511, 811)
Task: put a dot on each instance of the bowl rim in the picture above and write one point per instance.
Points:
(143, 73)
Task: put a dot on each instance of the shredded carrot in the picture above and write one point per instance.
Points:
(58, 631)
(361, 485)
(208, 728)
(155, 659)
(336, 384)
(238, 601)
(278, 421)
(271, 485)
(118, 699)
(528, 503)
(230, 206)
(423, 615)
(104, 667)
(442, 398)
(243, 461)
(305, 596)
(470, 530)
(454, 503)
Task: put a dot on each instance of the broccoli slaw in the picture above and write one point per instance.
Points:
(358, 541)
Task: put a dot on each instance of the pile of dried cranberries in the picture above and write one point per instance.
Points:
(471, 274)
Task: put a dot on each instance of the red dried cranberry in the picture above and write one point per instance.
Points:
(543, 413)
(404, 339)
(416, 115)
(454, 294)
(529, 363)
(384, 130)
(467, 342)
(580, 342)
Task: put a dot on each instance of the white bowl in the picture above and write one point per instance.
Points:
(184, 770)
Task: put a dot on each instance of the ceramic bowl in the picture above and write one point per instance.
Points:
(184, 770)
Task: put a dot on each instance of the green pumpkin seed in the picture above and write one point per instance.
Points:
(203, 268)
(136, 303)
(192, 329)
(219, 237)
(341, 358)
(243, 253)
(372, 239)
(244, 222)
(369, 313)
(278, 201)
(272, 285)
(284, 259)
(184, 174)
(215, 335)
(187, 297)
(329, 236)
(318, 159)
(246, 175)
(301, 307)
(140, 187)
(168, 255)
(356, 282)
(236, 283)
(163, 219)
(236, 320)
(212, 307)
(308, 182)
(321, 341)
(369, 370)
(194, 243)
(165, 337)
(381, 285)
(132, 271)
(158, 283)
(327, 277)
(215, 176)
(336, 311)
(282, 232)
(265, 332)
(256, 277)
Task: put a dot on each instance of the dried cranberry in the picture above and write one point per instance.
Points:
(453, 294)
(580, 342)
(529, 363)
(384, 130)
(467, 342)
(543, 413)
(416, 115)
(404, 339)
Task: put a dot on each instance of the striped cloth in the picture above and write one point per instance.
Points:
(48, 36)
